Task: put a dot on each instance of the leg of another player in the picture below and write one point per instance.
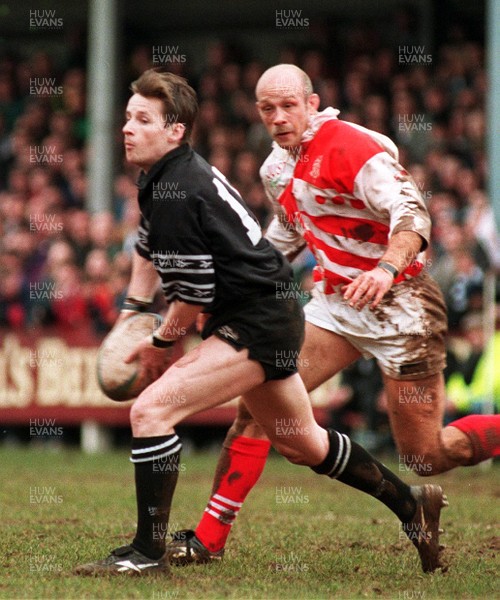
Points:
(241, 462)
(416, 410)
(246, 446)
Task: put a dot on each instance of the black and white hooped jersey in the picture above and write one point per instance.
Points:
(202, 239)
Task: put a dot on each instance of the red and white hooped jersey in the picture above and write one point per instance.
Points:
(346, 196)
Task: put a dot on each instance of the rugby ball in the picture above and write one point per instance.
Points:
(118, 380)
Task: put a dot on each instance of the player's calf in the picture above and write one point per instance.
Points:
(416, 410)
(452, 448)
(423, 461)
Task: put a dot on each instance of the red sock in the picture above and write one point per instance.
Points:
(247, 458)
(484, 433)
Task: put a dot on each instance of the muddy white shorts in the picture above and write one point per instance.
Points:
(405, 333)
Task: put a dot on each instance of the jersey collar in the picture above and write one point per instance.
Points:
(145, 178)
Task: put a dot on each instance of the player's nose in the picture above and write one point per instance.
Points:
(279, 117)
(127, 129)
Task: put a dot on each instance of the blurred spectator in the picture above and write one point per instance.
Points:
(51, 295)
(10, 107)
(479, 223)
(13, 301)
(120, 277)
(474, 375)
(68, 305)
(99, 291)
(246, 172)
(130, 223)
(77, 233)
(466, 283)
(256, 199)
(104, 234)
(221, 160)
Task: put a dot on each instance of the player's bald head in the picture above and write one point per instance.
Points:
(284, 80)
(285, 102)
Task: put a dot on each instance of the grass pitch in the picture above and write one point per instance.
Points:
(298, 535)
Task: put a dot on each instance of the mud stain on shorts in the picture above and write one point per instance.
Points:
(426, 336)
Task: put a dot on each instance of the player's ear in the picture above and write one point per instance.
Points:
(175, 132)
(313, 102)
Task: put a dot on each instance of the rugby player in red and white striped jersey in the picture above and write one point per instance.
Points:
(339, 189)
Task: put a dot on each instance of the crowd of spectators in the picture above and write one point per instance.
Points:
(61, 266)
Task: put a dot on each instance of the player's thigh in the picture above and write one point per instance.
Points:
(210, 374)
(324, 353)
(416, 410)
(283, 410)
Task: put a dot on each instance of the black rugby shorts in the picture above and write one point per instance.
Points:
(271, 329)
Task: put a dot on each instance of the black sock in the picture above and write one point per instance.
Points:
(351, 464)
(156, 461)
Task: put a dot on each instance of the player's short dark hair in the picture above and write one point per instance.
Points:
(178, 97)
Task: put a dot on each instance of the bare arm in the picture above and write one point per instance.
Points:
(141, 289)
(179, 318)
(403, 249)
(144, 278)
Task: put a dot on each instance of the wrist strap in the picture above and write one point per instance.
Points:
(139, 299)
(130, 307)
(159, 342)
(136, 304)
(388, 268)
